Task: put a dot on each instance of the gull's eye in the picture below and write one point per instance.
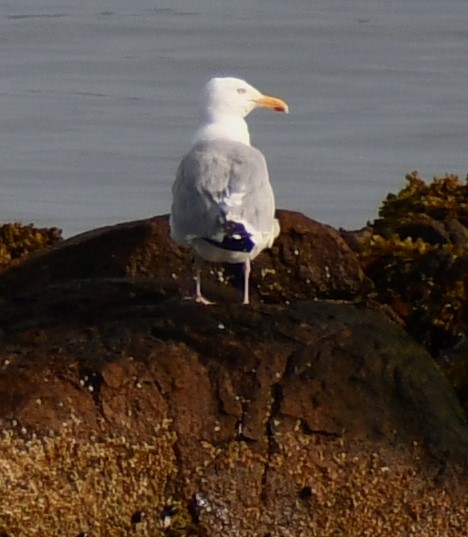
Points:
(241, 90)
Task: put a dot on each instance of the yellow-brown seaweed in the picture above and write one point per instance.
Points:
(17, 241)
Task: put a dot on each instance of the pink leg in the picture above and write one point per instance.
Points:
(246, 281)
(199, 298)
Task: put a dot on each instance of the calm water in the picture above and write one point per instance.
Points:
(99, 100)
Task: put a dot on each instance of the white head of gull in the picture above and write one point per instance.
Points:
(223, 204)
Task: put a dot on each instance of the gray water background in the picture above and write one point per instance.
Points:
(99, 100)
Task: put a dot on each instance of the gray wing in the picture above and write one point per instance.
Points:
(217, 183)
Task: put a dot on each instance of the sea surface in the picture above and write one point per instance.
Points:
(99, 100)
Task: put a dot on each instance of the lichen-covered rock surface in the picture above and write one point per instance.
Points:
(125, 409)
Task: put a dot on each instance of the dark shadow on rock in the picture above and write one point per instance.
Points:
(110, 348)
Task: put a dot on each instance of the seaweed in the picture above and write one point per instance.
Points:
(417, 257)
(17, 241)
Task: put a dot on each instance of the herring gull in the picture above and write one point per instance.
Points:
(223, 205)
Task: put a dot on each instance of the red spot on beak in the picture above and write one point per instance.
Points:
(273, 103)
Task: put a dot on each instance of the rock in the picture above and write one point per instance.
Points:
(359, 239)
(308, 260)
(361, 347)
(458, 233)
(454, 363)
(311, 418)
(227, 395)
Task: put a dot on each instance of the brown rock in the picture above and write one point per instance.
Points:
(454, 363)
(113, 346)
(117, 397)
(308, 260)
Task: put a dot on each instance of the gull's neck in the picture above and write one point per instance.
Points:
(231, 127)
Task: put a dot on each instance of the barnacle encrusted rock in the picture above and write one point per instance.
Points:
(115, 399)
(314, 417)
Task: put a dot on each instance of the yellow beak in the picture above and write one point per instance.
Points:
(266, 101)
